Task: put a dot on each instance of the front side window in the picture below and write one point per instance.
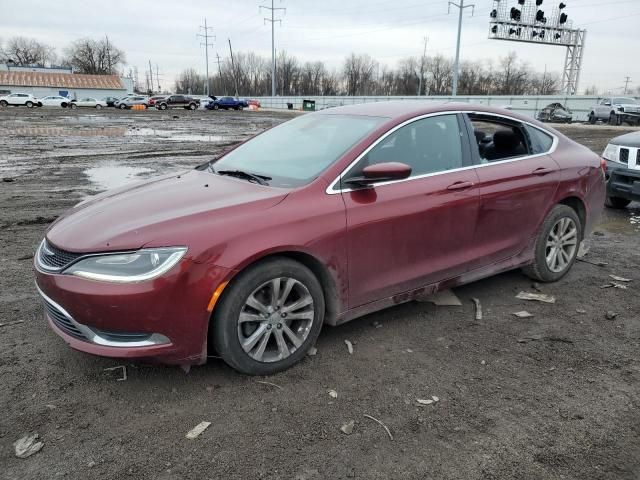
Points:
(606, 101)
(296, 152)
(428, 145)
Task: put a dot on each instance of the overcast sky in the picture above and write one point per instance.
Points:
(164, 31)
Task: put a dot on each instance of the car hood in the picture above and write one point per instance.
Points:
(158, 212)
(628, 140)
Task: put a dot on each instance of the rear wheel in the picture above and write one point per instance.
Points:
(122, 106)
(98, 106)
(556, 246)
(29, 104)
(162, 106)
(73, 106)
(269, 317)
(616, 202)
(614, 119)
(192, 106)
(3, 103)
(592, 118)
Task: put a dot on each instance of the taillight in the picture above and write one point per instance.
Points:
(603, 166)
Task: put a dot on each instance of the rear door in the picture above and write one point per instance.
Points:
(409, 233)
(517, 182)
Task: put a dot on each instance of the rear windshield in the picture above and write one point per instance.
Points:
(297, 151)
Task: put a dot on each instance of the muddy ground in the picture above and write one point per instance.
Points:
(556, 396)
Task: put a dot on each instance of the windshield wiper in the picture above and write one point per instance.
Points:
(252, 177)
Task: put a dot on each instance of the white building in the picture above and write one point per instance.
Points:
(42, 82)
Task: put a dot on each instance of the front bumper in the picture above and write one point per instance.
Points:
(623, 182)
(164, 320)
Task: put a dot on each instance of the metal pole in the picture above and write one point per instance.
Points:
(233, 68)
(273, 50)
(206, 55)
(150, 77)
(455, 65)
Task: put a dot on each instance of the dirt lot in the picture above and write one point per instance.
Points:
(554, 396)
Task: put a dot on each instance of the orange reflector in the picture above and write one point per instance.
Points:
(216, 296)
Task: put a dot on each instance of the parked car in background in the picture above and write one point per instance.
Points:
(20, 99)
(255, 103)
(154, 99)
(130, 101)
(555, 112)
(227, 103)
(616, 110)
(178, 101)
(88, 102)
(55, 101)
(110, 101)
(623, 170)
(248, 253)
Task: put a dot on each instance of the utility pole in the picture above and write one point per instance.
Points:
(158, 78)
(233, 68)
(224, 84)
(626, 84)
(150, 78)
(422, 60)
(456, 64)
(273, 21)
(206, 36)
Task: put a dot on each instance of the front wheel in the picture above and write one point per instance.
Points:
(556, 246)
(216, 106)
(616, 202)
(614, 119)
(73, 106)
(592, 118)
(122, 106)
(3, 103)
(192, 106)
(98, 107)
(162, 107)
(268, 317)
(29, 104)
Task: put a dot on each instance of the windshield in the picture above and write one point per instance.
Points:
(623, 100)
(295, 152)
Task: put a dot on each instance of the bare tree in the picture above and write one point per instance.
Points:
(440, 69)
(27, 51)
(358, 73)
(191, 82)
(98, 57)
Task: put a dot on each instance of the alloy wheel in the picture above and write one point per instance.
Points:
(562, 244)
(276, 319)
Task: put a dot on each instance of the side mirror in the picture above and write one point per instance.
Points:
(381, 172)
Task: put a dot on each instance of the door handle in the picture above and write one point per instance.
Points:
(541, 171)
(460, 185)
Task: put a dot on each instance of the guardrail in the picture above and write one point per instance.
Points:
(526, 105)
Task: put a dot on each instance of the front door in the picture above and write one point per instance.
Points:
(409, 233)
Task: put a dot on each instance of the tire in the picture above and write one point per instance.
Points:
(192, 106)
(256, 282)
(236, 108)
(98, 107)
(616, 202)
(63, 104)
(73, 106)
(4, 103)
(29, 104)
(614, 119)
(592, 118)
(541, 269)
(216, 106)
(162, 106)
(122, 106)
(240, 107)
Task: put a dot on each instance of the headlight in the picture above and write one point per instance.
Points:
(130, 267)
(611, 153)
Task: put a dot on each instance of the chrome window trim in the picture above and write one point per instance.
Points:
(330, 189)
(93, 337)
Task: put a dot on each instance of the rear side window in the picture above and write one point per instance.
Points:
(541, 142)
(498, 138)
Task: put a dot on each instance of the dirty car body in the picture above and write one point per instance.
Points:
(254, 251)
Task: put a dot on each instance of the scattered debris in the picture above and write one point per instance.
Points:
(434, 398)
(333, 393)
(409, 350)
(91, 464)
(381, 424)
(50, 406)
(269, 383)
(313, 351)
(197, 430)
(11, 323)
(443, 298)
(377, 324)
(185, 368)
(349, 346)
(25, 257)
(610, 315)
(536, 337)
(583, 249)
(597, 263)
(483, 362)
(580, 310)
(478, 308)
(124, 372)
(27, 446)
(8, 179)
(615, 285)
(536, 286)
(347, 428)
(523, 314)
(423, 401)
(540, 297)
(620, 279)
(530, 338)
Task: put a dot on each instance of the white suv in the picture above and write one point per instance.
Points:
(19, 99)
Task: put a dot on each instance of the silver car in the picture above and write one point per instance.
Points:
(616, 110)
(128, 102)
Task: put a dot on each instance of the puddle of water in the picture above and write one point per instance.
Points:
(64, 132)
(111, 175)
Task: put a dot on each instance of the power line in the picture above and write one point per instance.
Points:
(460, 8)
(206, 45)
(273, 21)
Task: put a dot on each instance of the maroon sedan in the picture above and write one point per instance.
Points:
(320, 220)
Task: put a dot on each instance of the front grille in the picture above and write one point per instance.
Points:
(624, 155)
(62, 321)
(53, 258)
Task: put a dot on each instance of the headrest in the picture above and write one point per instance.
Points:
(480, 135)
(505, 139)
